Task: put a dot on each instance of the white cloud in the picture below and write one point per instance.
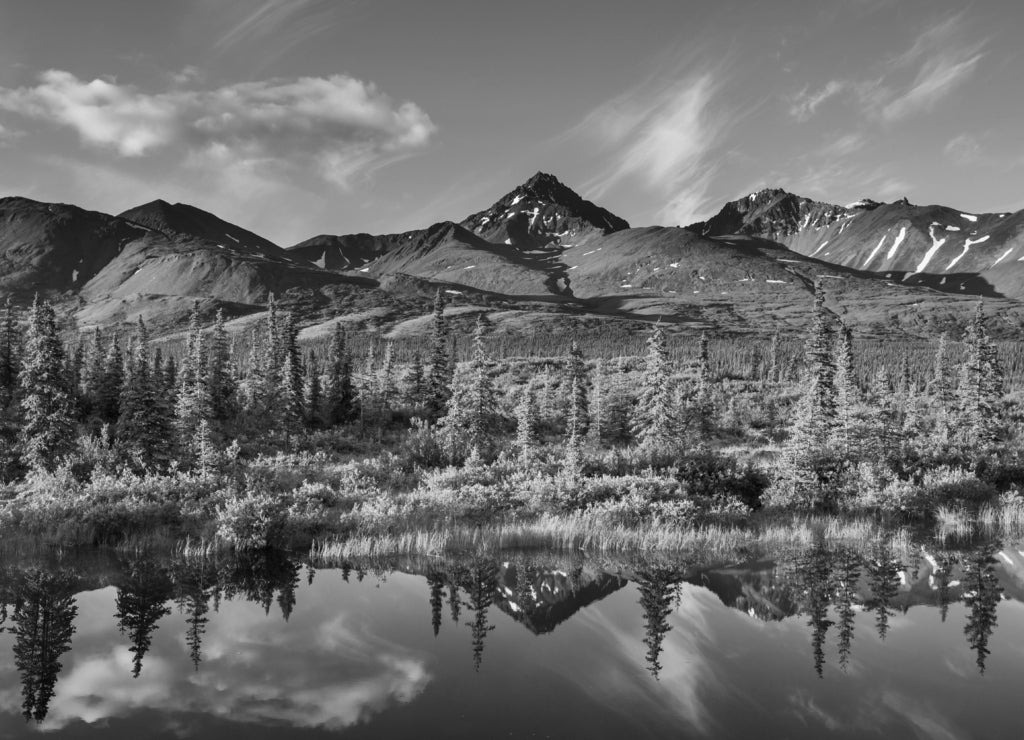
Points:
(805, 104)
(843, 146)
(936, 78)
(338, 126)
(963, 149)
(661, 136)
(939, 59)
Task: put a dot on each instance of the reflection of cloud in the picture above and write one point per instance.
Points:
(332, 675)
(336, 125)
(689, 676)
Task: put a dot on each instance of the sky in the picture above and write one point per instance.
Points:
(301, 117)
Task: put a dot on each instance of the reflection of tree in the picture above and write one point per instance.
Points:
(44, 615)
(847, 572)
(981, 596)
(659, 590)
(141, 603)
(483, 581)
(195, 581)
(436, 582)
(943, 568)
(883, 571)
(813, 570)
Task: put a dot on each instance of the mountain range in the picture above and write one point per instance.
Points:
(541, 258)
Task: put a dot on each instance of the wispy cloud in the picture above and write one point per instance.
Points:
(937, 77)
(337, 126)
(661, 135)
(843, 146)
(939, 59)
(806, 103)
(963, 149)
(288, 22)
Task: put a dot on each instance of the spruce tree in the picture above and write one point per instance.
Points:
(193, 402)
(219, 373)
(653, 424)
(439, 379)
(981, 385)
(479, 403)
(289, 406)
(597, 405)
(10, 349)
(572, 465)
(144, 425)
(576, 403)
(340, 397)
(846, 392)
(526, 429)
(108, 396)
(814, 419)
(312, 401)
(48, 428)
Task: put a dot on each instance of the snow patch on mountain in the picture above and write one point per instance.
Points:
(896, 244)
(874, 252)
(936, 245)
(1003, 256)
(968, 216)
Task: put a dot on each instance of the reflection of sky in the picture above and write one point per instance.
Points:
(363, 658)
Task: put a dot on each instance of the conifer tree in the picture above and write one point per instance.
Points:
(981, 385)
(414, 381)
(597, 405)
(219, 373)
(479, 404)
(703, 370)
(339, 401)
(815, 415)
(940, 391)
(653, 422)
(572, 466)
(526, 428)
(10, 348)
(846, 392)
(48, 428)
(108, 396)
(144, 424)
(386, 379)
(312, 401)
(616, 416)
(439, 379)
(94, 372)
(577, 404)
(193, 402)
(289, 405)
(772, 375)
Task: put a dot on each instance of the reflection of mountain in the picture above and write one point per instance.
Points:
(541, 600)
(769, 591)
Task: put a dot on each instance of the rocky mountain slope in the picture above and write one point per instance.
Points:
(542, 242)
(540, 258)
(937, 246)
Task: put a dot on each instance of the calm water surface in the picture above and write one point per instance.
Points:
(823, 643)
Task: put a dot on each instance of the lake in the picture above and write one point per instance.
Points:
(823, 641)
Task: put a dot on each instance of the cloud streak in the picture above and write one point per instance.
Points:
(337, 126)
(941, 62)
(660, 136)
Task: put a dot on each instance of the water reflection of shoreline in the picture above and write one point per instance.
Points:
(182, 601)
